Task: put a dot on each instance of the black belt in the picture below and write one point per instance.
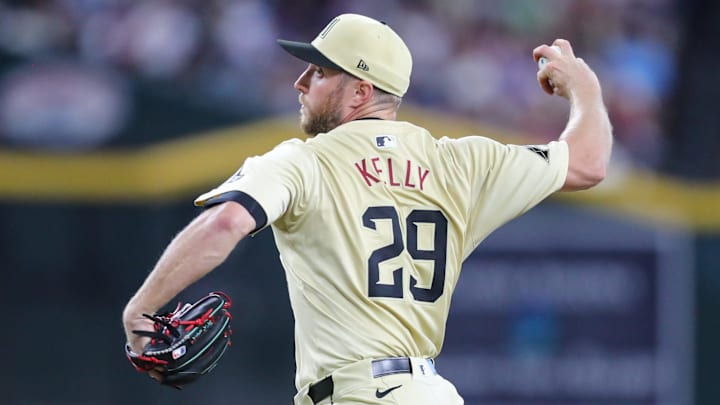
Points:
(381, 367)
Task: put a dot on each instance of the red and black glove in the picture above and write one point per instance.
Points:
(186, 343)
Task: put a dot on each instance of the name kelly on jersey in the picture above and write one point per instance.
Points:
(407, 174)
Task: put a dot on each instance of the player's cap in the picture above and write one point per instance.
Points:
(363, 47)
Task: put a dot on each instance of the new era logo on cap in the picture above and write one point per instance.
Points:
(363, 66)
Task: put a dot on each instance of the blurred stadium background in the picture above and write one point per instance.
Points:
(115, 114)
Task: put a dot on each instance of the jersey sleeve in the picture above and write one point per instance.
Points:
(265, 185)
(505, 181)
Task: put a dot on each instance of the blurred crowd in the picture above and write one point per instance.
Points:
(68, 68)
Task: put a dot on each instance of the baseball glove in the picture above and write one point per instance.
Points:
(186, 343)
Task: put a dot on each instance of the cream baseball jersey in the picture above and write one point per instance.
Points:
(373, 221)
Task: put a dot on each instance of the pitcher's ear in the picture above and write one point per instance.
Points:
(363, 92)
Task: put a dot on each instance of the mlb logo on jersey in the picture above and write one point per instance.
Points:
(385, 141)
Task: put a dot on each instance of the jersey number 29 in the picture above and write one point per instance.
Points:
(437, 255)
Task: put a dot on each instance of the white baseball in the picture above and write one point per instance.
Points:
(543, 60)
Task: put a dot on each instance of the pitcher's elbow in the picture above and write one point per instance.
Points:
(585, 179)
(597, 175)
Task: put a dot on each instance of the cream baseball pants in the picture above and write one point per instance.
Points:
(396, 380)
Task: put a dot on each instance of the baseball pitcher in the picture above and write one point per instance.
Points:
(373, 217)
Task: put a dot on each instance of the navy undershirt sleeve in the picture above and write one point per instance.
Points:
(255, 209)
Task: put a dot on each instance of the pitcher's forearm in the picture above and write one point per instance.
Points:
(589, 137)
(202, 246)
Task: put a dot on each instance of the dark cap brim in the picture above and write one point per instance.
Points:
(307, 53)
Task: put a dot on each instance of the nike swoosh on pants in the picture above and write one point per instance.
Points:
(381, 394)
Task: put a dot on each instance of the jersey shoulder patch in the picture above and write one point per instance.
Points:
(541, 150)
